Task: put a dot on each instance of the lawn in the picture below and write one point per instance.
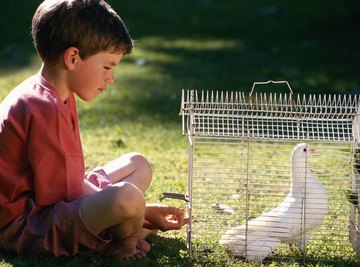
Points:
(203, 44)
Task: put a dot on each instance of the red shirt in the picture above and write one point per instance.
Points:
(40, 149)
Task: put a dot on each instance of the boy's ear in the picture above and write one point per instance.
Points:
(71, 56)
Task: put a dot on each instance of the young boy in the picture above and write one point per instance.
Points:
(47, 202)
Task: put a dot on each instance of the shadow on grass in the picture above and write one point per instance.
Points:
(16, 50)
(164, 252)
(305, 42)
(230, 44)
(216, 45)
(310, 44)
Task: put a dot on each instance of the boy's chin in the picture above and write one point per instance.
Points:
(87, 98)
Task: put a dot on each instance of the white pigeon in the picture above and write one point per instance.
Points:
(303, 209)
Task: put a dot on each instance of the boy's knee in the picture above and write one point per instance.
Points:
(128, 200)
(142, 165)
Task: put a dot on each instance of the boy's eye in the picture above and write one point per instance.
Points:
(107, 68)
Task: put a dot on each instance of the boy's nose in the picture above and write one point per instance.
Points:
(110, 78)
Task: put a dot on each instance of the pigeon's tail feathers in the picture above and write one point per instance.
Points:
(234, 233)
(259, 249)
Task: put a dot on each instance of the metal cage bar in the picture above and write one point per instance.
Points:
(239, 164)
(270, 116)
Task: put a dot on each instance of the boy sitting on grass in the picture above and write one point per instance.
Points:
(47, 202)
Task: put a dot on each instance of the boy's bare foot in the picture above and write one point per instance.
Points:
(130, 248)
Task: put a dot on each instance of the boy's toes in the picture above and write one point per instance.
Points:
(143, 246)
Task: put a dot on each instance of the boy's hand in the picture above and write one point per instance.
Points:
(164, 218)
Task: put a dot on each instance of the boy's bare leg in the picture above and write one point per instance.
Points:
(121, 209)
(122, 206)
(132, 168)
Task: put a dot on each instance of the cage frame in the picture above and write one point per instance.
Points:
(342, 109)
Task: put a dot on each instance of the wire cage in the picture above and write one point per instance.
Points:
(247, 195)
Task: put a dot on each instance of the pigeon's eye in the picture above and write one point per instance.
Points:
(304, 149)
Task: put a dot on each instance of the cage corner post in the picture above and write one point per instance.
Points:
(354, 218)
(190, 133)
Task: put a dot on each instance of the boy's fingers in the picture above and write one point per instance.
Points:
(172, 210)
(179, 219)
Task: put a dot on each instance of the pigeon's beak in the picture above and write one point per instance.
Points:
(312, 151)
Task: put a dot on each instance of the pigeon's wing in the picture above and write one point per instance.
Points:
(278, 217)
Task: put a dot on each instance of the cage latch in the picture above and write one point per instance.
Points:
(175, 196)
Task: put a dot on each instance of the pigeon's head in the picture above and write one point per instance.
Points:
(301, 151)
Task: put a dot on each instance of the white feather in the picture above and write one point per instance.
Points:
(303, 209)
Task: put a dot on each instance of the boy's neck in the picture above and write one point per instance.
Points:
(54, 76)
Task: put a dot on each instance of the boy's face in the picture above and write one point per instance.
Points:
(91, 76)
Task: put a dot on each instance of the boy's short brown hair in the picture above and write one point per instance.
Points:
(91, 26)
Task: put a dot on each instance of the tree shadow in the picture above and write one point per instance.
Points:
(312, 45)
(217, 45)
(165, 252)
(16, 50)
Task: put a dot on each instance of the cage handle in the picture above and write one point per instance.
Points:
(270, 81)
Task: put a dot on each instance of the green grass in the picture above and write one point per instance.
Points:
(204, 44)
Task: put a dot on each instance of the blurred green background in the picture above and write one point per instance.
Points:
(209, 45)
(213, 44)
